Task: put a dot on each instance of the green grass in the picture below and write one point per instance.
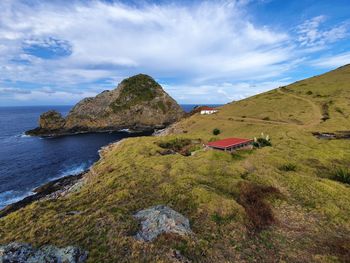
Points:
(341, 174)
(306, 215)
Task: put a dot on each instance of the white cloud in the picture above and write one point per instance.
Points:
(332, 61)
(210, 39)
(312, 34)
(198, 45)
(221, 93)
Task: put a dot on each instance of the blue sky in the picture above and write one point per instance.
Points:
(58, 52)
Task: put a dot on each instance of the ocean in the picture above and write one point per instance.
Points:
(27, 162)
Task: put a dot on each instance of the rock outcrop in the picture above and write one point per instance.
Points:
(24, 253)
(51, 120)
(138, 103)
(161, 219)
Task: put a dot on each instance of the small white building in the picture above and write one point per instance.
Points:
(208, 110)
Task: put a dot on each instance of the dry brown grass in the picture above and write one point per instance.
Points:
(253, 198)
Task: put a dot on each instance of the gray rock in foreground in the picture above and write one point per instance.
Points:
(161, 219)
(24, 253)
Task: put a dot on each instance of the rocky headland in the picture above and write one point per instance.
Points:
(139, 103)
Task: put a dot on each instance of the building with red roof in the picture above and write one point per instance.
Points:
(207, 110)
(230, 144)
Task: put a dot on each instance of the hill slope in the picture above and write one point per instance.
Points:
(279, 203)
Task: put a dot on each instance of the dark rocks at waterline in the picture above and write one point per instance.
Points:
(41, 132)
(25, 253)
(161, 219)
(332, 135)
(42, 192)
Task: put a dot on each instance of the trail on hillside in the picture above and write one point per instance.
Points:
(250, 119)
(316, 109)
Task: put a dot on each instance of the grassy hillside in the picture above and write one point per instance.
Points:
(283, 203)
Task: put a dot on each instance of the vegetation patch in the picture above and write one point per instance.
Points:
(216, 131)
(339, 110)
(182, 146)
(288, 167)
(325, 111)
(341, 174)
(252, 198)
(262, 141)
(135, 90)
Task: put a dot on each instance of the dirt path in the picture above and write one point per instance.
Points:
(249, 119)
(316, 109)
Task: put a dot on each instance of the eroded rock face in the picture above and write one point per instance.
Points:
(24, 253)
(138, 103)
(51, 120)
(161, 219)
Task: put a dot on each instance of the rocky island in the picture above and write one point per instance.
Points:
(138, 103)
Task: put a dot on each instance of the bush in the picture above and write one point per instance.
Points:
(341, 175)
(288, 167)
(175, 144)
(263, 142)
(309, 92)
(216, 131)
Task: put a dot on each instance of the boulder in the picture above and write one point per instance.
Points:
(161, 219)
(25, 253)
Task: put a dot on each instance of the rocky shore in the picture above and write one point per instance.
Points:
(52, 189)
(25, 253)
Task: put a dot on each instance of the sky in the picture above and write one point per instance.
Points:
(202, 52)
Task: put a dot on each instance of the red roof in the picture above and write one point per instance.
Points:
(207, 108)
(229, 142)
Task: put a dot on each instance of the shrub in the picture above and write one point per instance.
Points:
(182, 146)
(216, 131)
(263, 142)
(341, 175)
(309, 92)
(288, 167)
(266, 118)
(175, 144)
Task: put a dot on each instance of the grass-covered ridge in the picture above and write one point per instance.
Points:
(276, 203)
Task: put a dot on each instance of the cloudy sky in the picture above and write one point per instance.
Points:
(57, 52)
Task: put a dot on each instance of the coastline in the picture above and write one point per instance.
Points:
(52, 189)
(38, 132)
(57, 187)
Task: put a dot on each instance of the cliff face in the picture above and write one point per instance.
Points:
(138, 103)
